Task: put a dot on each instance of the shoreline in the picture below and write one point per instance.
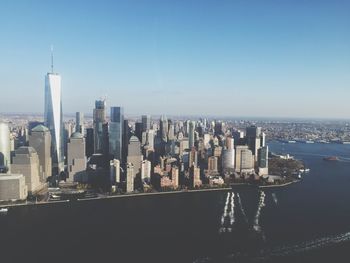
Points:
(278, 185)
(118, 196)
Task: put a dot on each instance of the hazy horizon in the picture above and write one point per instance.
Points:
(199, 58)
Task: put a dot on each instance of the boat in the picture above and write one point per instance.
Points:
(331, 158)
(309, 141)
(4, 211)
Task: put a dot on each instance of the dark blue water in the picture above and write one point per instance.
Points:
(303, 222)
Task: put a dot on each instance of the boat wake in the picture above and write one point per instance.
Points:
(265, 255)
(274, 198)
(256, 225)
(241, 208)
(228, 218)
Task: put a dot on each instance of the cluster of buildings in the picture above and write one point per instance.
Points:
(121, 155)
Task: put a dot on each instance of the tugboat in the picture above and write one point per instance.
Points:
(331, 159)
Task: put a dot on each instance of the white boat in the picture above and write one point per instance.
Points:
(3, 211)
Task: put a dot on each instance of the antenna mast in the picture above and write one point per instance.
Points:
(51, 58)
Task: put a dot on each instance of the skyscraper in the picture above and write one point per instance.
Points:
(115, 171)
(40, 140)
(99, 119)
(129, 178)
(146, 171)
(53, 118)
(175, 176)
(89, 142)
(76, 159)
(146, 122)
(26, 162)
(134, 154)
(263, 159)
(192, 126)
(4, 145)
(116, 132)
(79, 122)
(163, 126)
(253, 135)
(239, 149)
(125, 141)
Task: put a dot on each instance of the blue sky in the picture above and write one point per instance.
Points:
(232, 58)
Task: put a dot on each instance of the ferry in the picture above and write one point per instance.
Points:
(4, 211)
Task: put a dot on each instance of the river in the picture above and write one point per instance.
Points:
(305, 222)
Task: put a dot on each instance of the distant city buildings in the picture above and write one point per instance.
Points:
(117, 154)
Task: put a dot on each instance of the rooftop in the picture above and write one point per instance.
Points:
(40, 128)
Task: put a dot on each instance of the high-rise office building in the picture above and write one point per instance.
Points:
(193, 157)
(263, 165)
(262, 139)
(146, 122)
(5, 157)
(195, 173)
(253, 134)
(171, 135)
(247, 161)
(79, 122)
(125, 140)
(218, 128)
(40, 140)
(163, 127)
(146, 171)
(99, 119)
(150, 134)
(53, 119)
(213, 164)
(116, 132)
(89, 142)
(134, 154)
(192, 126)
(115, 171)
(239, 149)
(26, 162)
(175, 176)
(228, 159)
(129, 177)
(76, 159)
(229, 143)
(138, 130)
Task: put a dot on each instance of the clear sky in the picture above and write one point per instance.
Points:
(235, 58)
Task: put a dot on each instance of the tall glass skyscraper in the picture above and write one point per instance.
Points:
(99, 120)
(53, 118)
(116, 132)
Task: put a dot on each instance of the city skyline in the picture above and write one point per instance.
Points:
(227, 59)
